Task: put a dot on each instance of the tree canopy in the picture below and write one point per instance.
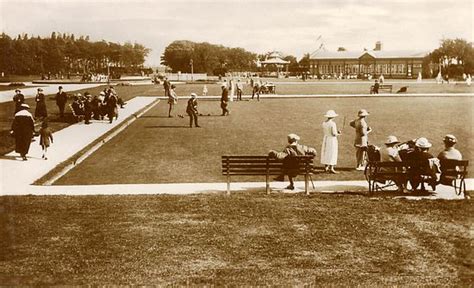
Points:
(207, 58)
(67, 54)
(455, 55)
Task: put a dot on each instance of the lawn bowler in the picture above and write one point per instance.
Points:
(192, 111)
(225, 100)
(361, 140)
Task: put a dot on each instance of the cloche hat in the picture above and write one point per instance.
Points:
(363, 112)
(294, 137)
(331, 114)
(391, 140)
(450, 138)
(422, 142)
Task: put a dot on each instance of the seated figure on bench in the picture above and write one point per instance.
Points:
(375, 90)
(449, 153)
(423, 165)
(390, 154)
(290, 166)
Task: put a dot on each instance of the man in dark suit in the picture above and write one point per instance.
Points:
(61, 100)
(167, 86)
(225, 100)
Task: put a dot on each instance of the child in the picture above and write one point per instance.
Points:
(204, 91)
(45, 137)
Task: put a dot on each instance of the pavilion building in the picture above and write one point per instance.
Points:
(391, 64)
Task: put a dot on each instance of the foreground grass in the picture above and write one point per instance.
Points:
(162, 150)
(244, 239)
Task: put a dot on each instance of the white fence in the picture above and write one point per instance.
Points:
(186, 76)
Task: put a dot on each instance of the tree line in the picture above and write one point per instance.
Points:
(64, 53)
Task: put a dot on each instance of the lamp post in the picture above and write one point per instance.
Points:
(192, 68)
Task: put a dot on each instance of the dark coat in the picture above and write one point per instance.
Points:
(225, 95)
(23, 127)
(18, 99)
(61, 98)
(192, 106)
(40, 110)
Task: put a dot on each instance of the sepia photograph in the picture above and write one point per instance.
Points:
(215, 143)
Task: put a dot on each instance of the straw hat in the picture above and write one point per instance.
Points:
(363, 112)
(331, 114)
(449, 138)
(24, 105)
(422, 142)
(40, 89)
(194, 95)
(293, 137)
(391, 140)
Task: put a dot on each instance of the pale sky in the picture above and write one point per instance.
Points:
(291, 27)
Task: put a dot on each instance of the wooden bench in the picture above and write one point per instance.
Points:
(263, 166)
(381, 175)
(453, 173)
(382, 87)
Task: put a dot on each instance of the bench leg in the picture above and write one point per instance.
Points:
(267, 184)
(228, 185)
(306, 184)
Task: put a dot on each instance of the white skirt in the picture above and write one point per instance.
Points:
(329, 150)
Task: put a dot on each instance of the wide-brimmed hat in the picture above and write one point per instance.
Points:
(391, 140)
(102, 93)
(194, 95)
(331, 114)
(40, 89)
(449, 138)
(363, 112)
(60, 87)
(422, 142)
(24, 105)
(293, 137)
(17, 90)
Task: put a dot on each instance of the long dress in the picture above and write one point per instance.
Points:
(330, 144)
(23, 127)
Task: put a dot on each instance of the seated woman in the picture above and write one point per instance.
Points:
(77, 106)
(291, 150)
(422, 165)
(390, 154)
(449, 153)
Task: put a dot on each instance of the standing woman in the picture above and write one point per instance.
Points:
(40, 111)
(329, 148)
(361, 140)
(172, 99)
(23, 127)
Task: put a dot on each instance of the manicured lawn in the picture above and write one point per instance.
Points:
(12, 88)
(245, 239)
(159, 149)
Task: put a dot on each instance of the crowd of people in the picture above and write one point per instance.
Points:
(85, 107)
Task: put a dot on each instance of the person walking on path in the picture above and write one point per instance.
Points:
(18, 99)
(172, 100)
(329, 148)
(40, 111)
(192, 111)
(61, 100)
(22, 129)
(225, 100)
(46, 138)
(112, 110)
(361, 140)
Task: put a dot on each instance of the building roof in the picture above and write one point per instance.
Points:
(381, 54)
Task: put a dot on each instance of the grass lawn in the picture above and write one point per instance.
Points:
(161, 150)
(12, 88)
(244, 239)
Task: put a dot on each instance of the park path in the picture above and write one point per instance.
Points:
(6, 96)
(16, 176)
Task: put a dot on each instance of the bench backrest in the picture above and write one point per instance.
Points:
(454, 167)
(262, 165)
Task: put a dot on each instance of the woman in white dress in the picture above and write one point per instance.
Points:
(330, 145)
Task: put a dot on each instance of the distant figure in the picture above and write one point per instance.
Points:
(192, 111)
(329, 149)
(18, 99)
(111, 104)
(403, 89)
(420, 78)
(172, 100)
(22, 129)
(46, 138)
(61, 100)
(381, 79)
(166, 86)
(446, 78)
(40, 111)
(468, 80)
(225, 100)
(439, 78)
(239, 90)
(87, 108)
(256, 90)
(361, 140)
(287, 155)
(375, 90)
(204, 90)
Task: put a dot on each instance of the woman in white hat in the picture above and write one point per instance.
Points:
(423, 165)
(361, 140)
(329, 148)
(390, 152)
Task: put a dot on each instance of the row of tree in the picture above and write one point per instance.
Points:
(64, 53)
